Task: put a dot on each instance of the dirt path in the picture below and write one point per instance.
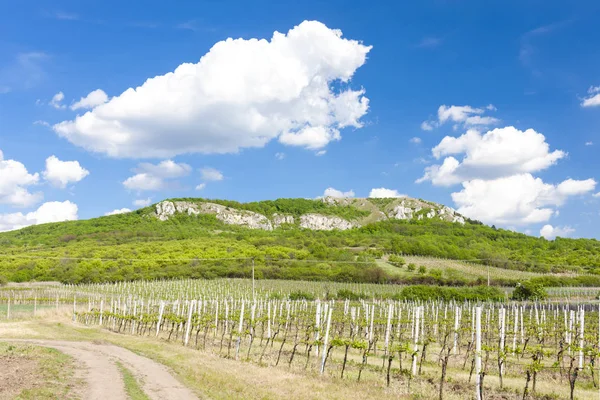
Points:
(104, 381)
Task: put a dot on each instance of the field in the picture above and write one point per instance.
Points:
(358, 337)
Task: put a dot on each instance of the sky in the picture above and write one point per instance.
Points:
(492, 108)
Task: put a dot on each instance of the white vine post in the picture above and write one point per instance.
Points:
(101, 311)
(74, 306)
(478, 353)
(8, 308)
(160, 315)
(454, 349)
(502, 331)
(416, 341)
(388, 327)
(239, 341)
(581, 330)
(325, 342)
(188, 325)
(317, 327)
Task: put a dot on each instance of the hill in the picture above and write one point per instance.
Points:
(325, 239)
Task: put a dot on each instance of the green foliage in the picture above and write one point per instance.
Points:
(529, 291)
(346, 294)
(396, 259)
(477, 293)
(422, 269)
(138, 246)
(299, 295)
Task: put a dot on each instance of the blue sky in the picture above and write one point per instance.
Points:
(289, 116)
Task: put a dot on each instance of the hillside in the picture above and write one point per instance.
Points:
(286, 238)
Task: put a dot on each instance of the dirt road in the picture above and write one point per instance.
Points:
(103, 378)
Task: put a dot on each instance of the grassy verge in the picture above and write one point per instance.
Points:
(33, 372)
(132, 387)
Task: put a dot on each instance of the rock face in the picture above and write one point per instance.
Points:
(320, 222)
(249, 219)
(279, 220)
(402, 209)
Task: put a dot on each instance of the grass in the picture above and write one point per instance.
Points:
(132, 387)
(35, 372)
(217, 377)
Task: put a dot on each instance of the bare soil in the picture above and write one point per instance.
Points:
(101, 374)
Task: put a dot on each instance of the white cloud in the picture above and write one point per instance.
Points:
(143, 181)
(152, 176)
(241, 94)
(415, 140)
(498, 153)
(61, 173)
(589, 143)
(211, 174)
(14, 179)
(461, 115)
(320, 153)
(56, 101)
(120, 211)
(53, 211)
(597, 194)
(519, 199)
(550, 232)
(93, 99)
(427, 126)
(331, 192)
(385, 193)
(280, 156)
(142, 202)
(201, 186)
(593, 98)
(42, 123)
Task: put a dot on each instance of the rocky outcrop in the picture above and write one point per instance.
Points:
(320, 222)
(403, 209)
(279, 220)
(249, 219)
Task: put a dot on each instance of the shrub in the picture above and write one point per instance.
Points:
(411, 267)
(299, 295)
(397, 260)
(346, 294)
(422, 269)
(529, 291)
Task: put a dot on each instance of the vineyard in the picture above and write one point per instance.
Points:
(452, 349)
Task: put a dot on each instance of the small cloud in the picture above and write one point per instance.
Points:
(201, 186)
(56, 101)
(491, 107)
(280, 156)
(142, 202)
(120, 211)
(593, 98)
(428, 125)
(66, 16)
(321, 153)
(331, 192)
(42, 123)
(383, 193)
(597, 194)
(430, 42)
(415, 140)
(93, 99)
(589, 143)
(188, 25)
(550, 232)
(211, 174)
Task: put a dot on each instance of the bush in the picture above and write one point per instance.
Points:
(411, 267)
(477, 293)
(397, 260)
(422, 269)
(529, 291)
(3, 280)
(299, 295)
(346, 294)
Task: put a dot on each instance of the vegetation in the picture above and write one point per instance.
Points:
(529, 291)
(138, 246)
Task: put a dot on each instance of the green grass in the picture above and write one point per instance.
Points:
(132, 387)
(53, 376)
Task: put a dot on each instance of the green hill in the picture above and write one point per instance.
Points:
(326, 239)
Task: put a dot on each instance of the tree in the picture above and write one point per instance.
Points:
(529, 291)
